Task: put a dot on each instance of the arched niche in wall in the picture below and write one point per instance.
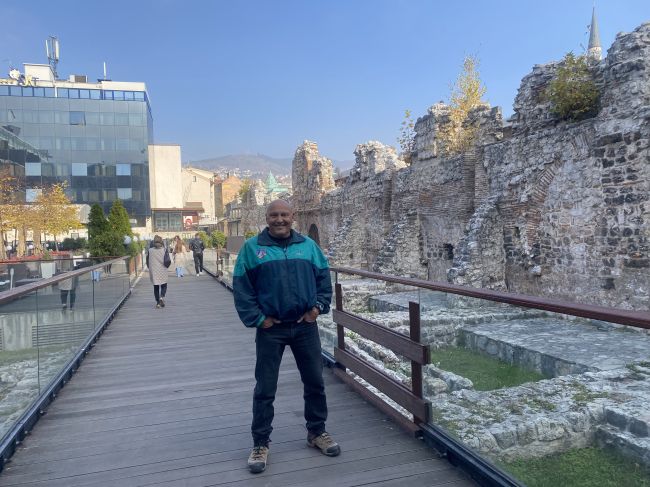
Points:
(313, 233)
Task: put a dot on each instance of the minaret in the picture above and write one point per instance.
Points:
(594, 50)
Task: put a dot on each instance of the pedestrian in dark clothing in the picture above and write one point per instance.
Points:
(197, 248)
(281, 284)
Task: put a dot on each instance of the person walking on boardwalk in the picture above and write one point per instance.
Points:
(158, 260)
(281, 284)
(179, 256)
(197, 248)
(68, 287)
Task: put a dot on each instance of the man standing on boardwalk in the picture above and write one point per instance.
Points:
(197, 248)
(281, 284)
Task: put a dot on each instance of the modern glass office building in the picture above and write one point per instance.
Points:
(93, 135)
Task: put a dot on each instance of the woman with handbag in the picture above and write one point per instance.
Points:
(158, 260)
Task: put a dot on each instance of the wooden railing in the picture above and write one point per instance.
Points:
(409, 347)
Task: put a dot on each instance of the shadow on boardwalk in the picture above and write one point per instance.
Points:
(165, 397)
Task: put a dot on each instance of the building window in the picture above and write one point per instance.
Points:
(32, 169)
(79, 169)
(167, 221)
(31, 194)
(121, 119)
(77, 118)
(122, 144)
(77, 143)
(47, 169)
(123, 169)
(161, 221)
(194, 179)
(124, 193)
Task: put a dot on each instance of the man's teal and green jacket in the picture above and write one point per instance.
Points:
(282, 282)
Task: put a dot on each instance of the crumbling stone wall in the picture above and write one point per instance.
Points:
(574, 196)
(539, 205)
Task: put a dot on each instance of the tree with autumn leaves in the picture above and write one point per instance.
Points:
(456, 134)
(466, 94)
(54, 214)
(51, 213)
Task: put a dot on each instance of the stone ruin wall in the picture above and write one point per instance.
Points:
(540, 206)
(573, 198)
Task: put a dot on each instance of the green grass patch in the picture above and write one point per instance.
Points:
(487, 373)
(586, 467)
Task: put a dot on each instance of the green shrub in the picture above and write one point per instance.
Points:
(218, 239)
(107, 243)
(572, 92)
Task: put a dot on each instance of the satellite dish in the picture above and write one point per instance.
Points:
(14, 74)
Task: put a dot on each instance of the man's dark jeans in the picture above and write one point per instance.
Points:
(198, 262)
(305, 345)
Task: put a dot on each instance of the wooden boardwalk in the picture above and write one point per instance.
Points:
(164, 399)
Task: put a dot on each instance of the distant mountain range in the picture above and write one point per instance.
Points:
(257, 164)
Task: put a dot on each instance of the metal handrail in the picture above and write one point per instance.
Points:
(29, 288)
(640, 319)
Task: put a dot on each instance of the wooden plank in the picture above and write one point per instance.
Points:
(381, 335)
(340, 331)
(416, 367)
(393, 389)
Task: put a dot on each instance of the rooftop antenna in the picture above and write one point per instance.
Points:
(52, 50)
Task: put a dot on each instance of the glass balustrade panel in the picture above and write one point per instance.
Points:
(65, 321)
(19, 359)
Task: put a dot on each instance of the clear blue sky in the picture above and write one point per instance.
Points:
(229, 77)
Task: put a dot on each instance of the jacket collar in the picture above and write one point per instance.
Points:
(265, 239)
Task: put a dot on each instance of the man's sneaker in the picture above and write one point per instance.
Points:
(157, 305)
(162, 303)
(257, 459)
(197, 274)
(324, 443)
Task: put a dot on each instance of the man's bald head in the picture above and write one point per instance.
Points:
(279, 218)
(279, 204)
